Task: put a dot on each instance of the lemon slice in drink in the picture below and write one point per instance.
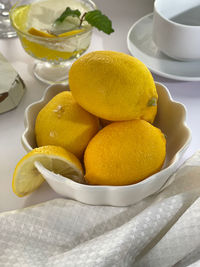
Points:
(65, 34)
(27, 179)
(37, 32)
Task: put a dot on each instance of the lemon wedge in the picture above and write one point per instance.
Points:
(36, 32)
(26, 177)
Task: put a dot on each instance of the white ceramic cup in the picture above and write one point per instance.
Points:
(176, 28)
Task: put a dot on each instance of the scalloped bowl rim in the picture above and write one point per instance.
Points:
(105, 188)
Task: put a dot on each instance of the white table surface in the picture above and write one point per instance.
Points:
(123, 14)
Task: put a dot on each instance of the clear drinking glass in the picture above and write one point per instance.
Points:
(54, 55)
(6, 30)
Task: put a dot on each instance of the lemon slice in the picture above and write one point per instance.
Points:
(65, 34)
(36, 32)
(39, 33)
(26, 177)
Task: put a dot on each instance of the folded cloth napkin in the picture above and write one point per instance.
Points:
(162, 230)
(12, 87)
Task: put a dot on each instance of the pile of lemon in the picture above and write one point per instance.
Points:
(101, 131)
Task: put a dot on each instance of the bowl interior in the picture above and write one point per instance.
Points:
(170, 119)
(31, 112)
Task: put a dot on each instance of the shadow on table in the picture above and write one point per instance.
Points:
(42, 194)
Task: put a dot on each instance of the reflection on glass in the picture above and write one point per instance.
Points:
(6, 30)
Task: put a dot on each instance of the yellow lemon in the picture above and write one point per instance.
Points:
(114, 86)
(64, 123)
(26, 177)
(124, 153)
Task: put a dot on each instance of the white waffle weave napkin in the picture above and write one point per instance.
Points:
(162, 230)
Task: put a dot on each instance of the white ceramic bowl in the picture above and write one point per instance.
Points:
(170, 119)
(176, 28)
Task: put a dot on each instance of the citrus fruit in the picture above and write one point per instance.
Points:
(113, 86)
(39, 33)
(124, 153)
(26, 177)
(64, 123)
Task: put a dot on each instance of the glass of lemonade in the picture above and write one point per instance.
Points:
(54, 45)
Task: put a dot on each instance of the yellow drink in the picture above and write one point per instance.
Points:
(71, 40)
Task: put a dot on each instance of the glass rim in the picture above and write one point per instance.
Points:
(56, 38)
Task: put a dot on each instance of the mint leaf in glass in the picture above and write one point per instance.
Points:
(95, 18)
(68, 12)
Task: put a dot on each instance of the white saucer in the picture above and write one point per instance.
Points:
(141, 46)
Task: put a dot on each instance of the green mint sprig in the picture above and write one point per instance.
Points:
(68, 12)
(95, 18)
